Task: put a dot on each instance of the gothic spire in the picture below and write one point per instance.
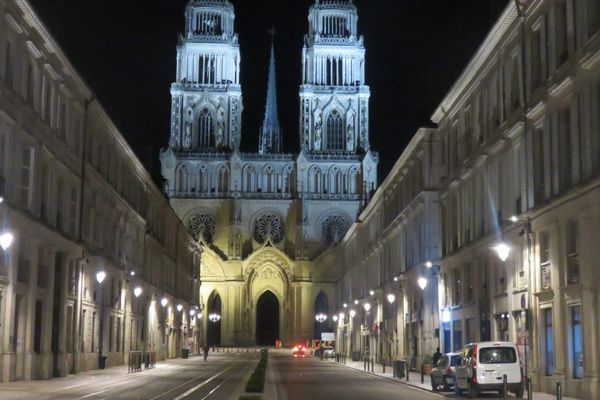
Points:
(270, 133)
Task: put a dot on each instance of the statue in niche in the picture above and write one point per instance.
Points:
(318, 133)
(318, 118)
(220, 126)
(350, 137)
(187, 139)
(238, 245)
(175, 125)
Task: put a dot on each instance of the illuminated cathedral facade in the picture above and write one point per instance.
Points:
(268, 220)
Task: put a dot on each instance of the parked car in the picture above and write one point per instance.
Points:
(328, 352)
(443, 373)
(483, 365)
(299, 351)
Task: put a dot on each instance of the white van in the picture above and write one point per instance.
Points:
(482, 367)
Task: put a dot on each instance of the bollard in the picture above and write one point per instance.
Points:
(372, 365)
(504, 387)
(364, 363)
(529, 388)
(422, 375)
(383, 365)
(558, 390)
(407, 371)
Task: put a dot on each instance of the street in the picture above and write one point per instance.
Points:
(189, 379)
(223, 377)
(311, 378)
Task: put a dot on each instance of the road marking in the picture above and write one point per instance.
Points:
(192, 390)
(214, 390)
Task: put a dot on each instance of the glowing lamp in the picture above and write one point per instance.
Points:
(367, 307)
(100, 276)
(137, 291)
(6, 240)
(164, 302)
(503, 251)
(422, 283)
(391, 298)
(179, 307)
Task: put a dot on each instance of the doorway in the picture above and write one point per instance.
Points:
(213, 331)
(267, 319)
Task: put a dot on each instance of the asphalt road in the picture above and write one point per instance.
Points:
(310, 378)
(192, 379)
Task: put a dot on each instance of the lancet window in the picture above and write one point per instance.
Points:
(205, 123)
(335, 132)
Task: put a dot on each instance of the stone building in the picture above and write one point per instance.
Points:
(518, 204)
(80, 207)
(268, 219)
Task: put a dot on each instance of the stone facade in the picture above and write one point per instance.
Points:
(78, 202)
(267, 218)
(518, 166)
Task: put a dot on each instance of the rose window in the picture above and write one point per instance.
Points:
(268, 226)
(334, 229)
(202, 228)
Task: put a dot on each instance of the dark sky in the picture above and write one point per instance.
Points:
(125, 50)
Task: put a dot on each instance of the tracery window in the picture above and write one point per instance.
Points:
(223, 180)
(268, 226)
(205, 123)
(334, 229)
(202, 227)
(335, 132)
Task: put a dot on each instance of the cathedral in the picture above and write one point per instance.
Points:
(268, 220)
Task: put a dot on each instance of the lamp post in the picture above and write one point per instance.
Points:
(214, 318)
(100, 276)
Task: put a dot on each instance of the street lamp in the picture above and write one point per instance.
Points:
(214, 317)
(321, 318)
(503, 251)
(422, 283)
(356, 302)
(371, 292)
(429, 264)
(137, 291)
(100, 276)
(391, 298)
(345, 305)
(341, 316)
(335, 318)
(6, 240)
(192, 312)
(352, 313)
(164, 302)
(367, 307)
(179, 307)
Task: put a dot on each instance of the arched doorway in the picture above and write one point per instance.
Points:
(213, 328)
(267, 319)
(321, 307)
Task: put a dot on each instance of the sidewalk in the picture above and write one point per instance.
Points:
(415, 379)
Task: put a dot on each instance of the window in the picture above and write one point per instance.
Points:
(73, 200)
(26, 176)
(111, 330)
(335, 132)
(576, 345)
(564, 148)
(545, 261)
(205, 122)
(456, 298)
(572, 252)
(548, 342)
(457, 335)
(29, 90)
(48, 101)
(539, 166)
(497, 355)
(8, 64)
(119, 334)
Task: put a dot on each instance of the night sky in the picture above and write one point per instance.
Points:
(125, 51)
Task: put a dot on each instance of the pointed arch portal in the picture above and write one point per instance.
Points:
(213, 329)
(267, 319)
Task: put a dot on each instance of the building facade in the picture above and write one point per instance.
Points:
(96, 246)
(517, 200)
(268, 219)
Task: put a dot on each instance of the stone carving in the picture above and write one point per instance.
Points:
(267, 274)
(220, 133)
(187, 138)
(334, 229)
(318, 118)
(306, 132)
(202, 228)
(350, 137)
(268, 226)
(363, 125)
(175, 112)
(233, 122)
